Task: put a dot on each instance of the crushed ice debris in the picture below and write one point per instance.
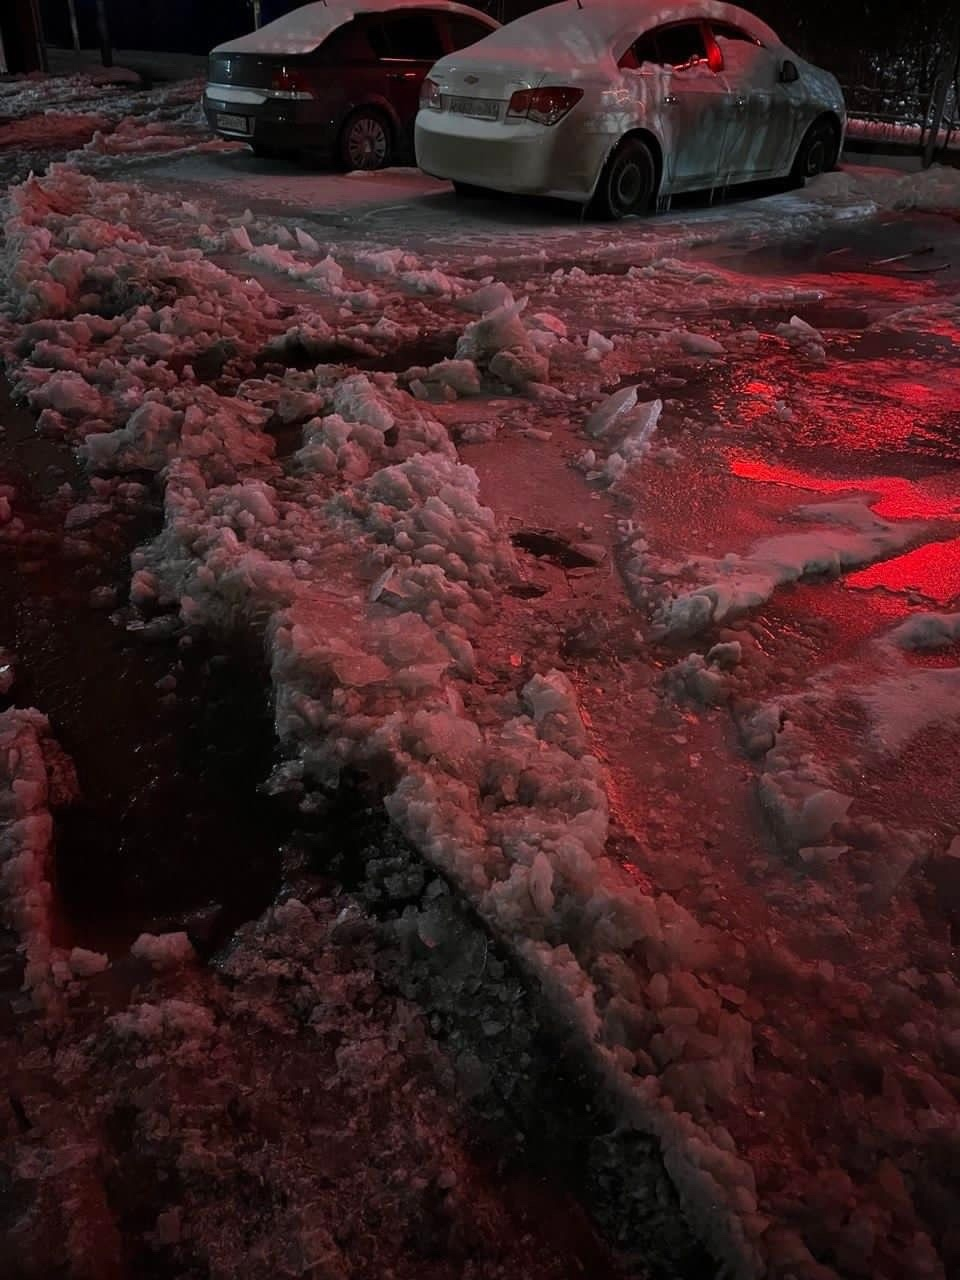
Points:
(501, 343)
(163, 950)
(850, 535)
(926, 631)
(698, 344)
(804, 337)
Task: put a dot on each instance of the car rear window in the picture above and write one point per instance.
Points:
(727, 31)
(408, 36)
(348, 44)
(679, 45)
(465, 31)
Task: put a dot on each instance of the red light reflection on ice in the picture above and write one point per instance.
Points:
(898, 290)
(896, 497)
(876, 404)
(867, 405)
(944, 328)
(933, 570)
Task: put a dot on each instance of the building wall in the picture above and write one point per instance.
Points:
(170, 26)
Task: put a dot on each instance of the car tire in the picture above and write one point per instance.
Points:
(628, 184)
(366, 140)
(818, 152)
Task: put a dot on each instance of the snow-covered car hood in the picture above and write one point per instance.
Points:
(305, 29)
(565, 35)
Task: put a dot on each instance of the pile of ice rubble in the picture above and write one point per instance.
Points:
(369, 565)
(707, 591)
(133, 1082)
(105, 116)
(30, 95)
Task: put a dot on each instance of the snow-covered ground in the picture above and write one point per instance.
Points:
(619, 566)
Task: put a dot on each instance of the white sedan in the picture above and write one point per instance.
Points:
(619, 105)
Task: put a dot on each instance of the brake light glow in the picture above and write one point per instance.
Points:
(545, 106)
(430, 96)
(287, 83)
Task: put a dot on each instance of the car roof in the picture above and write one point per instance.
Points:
(302, 30)
(591, 29)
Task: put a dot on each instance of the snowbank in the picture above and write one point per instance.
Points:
(371, 568)
(936, 188)
(365, 560)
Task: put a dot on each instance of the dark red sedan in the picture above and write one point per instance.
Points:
(337, 79)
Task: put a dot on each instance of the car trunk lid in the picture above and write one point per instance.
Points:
(299, 32)
(469, 77)
(246, 70)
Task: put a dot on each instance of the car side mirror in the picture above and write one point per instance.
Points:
(789, 73)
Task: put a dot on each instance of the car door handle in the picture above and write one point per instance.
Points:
(670, 99)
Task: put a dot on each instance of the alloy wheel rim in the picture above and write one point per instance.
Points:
(629, 184)
(816, 158)
(366, 143)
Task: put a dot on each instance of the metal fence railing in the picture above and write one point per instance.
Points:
(905, 120)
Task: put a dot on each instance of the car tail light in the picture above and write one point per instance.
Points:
(430, 96)
(545, 106)
(287, 83)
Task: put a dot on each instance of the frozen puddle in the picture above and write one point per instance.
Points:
(931, 571)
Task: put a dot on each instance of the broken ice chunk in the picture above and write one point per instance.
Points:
(698, 344)
(84, 964)
(163, 950)
(611, 411)
(487, 298)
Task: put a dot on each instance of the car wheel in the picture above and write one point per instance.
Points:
(628, 183)
(366, 141)
(817, 152)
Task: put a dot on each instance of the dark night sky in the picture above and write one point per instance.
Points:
(837, 31)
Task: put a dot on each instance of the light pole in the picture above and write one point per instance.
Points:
(74, 29)
(38, 35)
(106, 52)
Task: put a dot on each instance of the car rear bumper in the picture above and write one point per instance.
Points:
(250, 116)
(525, 158)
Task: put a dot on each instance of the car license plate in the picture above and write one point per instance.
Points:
(236, 124)
(479, 108)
